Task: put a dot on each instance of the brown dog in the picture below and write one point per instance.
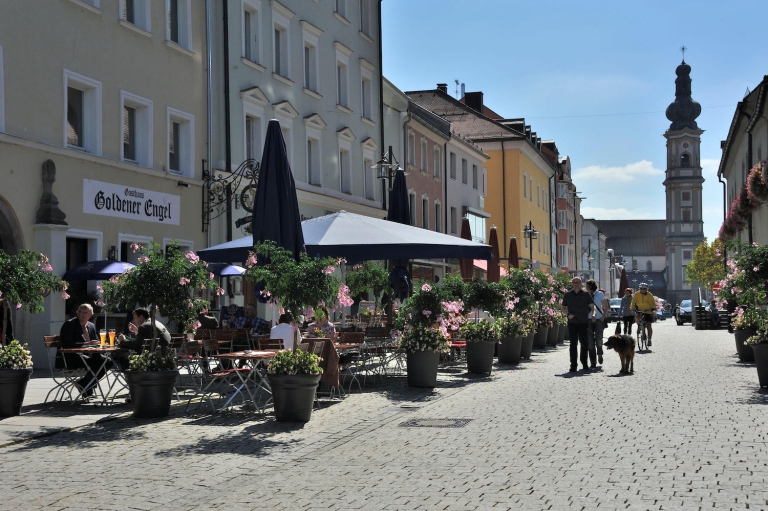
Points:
(624, 345)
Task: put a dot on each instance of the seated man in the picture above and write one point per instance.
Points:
(141, 327)
(250, 321)
(284, 330)
(76, 333)
(714, 314)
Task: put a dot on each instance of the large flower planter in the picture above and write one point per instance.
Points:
(151, 392)
(510, 350)
(527, 346)
(552, 335)
(745, 350)
(422, 368)
(540, 341)
(761, 360)
(480, 356)
(562, 333)
(13, 384)
(293, 396)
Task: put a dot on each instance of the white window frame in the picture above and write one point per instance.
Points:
(437, 161)
(366, 84)
(344, 155)
(452, 161)
(475, 177)
(311, 36)
(314, 126)
(530, 189)
(424, 160)
(187, 155)
(369, 147)
(185, 24)
(254, 102)
(92, 111)
(123, 237)
(425, 212)
(184, 245)
(2, 97)
(365, 12)
(144, 128)
(340, 8)
(252, 50)
(281, 22)
(342, 74)
(464, 171)
(438, 215)
(142, 15)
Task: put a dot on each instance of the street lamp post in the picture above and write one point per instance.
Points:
(611, 268)
(387, 167)
(530, 232)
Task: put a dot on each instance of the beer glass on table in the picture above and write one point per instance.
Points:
(103, 337)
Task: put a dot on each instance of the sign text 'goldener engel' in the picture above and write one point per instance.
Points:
(109, 199)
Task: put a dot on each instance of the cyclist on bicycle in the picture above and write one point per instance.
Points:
(645, 304)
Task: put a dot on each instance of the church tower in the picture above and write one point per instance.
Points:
(683, 185)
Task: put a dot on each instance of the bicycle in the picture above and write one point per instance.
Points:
(642, 333)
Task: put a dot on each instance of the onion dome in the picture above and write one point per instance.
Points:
(683, 111)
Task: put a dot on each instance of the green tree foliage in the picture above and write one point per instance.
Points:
(369, 276)
(706, 268)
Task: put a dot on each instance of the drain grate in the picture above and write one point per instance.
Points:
(435, 423)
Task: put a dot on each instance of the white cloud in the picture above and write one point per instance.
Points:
(618, 213)
(630, 172)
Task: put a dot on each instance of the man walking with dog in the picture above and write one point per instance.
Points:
(578, 304)
(645, 304)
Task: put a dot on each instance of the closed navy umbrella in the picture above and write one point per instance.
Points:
(276, 208)
(400, 212)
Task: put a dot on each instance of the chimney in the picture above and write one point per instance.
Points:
(462, 90)
(474, 100)
(442, 87)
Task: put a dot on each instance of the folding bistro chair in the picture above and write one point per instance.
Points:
(63, 378)
(351, 360)
(217, 380)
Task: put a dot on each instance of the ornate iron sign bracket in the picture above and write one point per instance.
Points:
(219, 187)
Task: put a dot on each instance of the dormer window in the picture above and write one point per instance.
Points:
(685, 160)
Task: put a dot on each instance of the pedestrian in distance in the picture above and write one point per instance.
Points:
(597, 319)
(577, 304)
(625, 311)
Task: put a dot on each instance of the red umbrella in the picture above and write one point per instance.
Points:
(514, 260)
(623, 282)
(493, 274)
(466, 264)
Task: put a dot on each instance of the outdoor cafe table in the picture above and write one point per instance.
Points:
(109, 353)
(255, 377)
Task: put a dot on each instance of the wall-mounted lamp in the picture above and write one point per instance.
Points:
(112, 254)
(182, 183)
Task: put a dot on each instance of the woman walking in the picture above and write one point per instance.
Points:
(627, 316)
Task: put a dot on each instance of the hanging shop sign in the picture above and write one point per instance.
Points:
(108, 199)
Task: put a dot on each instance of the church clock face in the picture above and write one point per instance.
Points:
(686, 146)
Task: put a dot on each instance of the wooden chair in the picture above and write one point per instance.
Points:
(304, 346)
(64, 378)
(271, 344)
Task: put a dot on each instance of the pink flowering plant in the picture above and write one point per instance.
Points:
(479, 331)
(428, 318)
(169, 282)
(746, 275)
(368, 276)
(26, 278)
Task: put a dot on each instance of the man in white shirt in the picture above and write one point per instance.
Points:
(596, 323)
(284, 330)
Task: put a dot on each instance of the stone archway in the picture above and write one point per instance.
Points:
(11, 240)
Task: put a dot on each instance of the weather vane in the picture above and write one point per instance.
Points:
(682, 50)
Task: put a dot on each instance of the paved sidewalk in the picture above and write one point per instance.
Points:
(686, 431)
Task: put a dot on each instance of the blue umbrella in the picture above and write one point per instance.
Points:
(97, 270)
(400, 212)
(276, 208)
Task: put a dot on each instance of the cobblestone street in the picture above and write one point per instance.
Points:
(686, 431)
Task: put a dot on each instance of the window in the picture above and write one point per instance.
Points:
(648, 265)
(484, 189)
(686, 196)
(563, 255)
(438, 216)
(561, 190)
(345, 161)
(366, 90)
(561, 220)
(685, 160)
(474, 177)
(281, 57)
(425, 213)
(530, 189)
(285, 114)
(137, 13)
(252, 137)
(342, 74)
(538, 194)
(368, 174)
(686, 215)
(181, 142)
(687, 254)
(137, 129)
(82, 119)
(179, 18)
(412, 207)
(252, 30)
(423, 158)
(525, 185)
(436, 167)
(453, 165)
(311, 62)
(340, 7)
(464, 177)
(365, 17)
(453, 221)
(411, 148)
(313, 161)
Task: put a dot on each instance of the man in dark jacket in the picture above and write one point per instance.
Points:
(75, 333)
(577, 304)
(142, 328)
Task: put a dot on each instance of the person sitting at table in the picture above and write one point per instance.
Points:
(714, 314)
(76, 333)
(321, 327)
(284, 330)
(141, 327)
(207, 321)
(250, 320)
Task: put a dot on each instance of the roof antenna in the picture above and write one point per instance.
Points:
(456, 90)
(682, 50)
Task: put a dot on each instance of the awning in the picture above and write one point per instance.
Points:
(483, 265)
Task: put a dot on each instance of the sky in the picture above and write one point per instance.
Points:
(595, 76)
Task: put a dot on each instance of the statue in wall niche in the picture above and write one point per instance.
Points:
(48, 211)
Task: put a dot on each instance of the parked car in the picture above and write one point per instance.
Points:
(683, 312)
(613, 314)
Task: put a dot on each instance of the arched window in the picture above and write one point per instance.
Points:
(649, 266)
(685, 160)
